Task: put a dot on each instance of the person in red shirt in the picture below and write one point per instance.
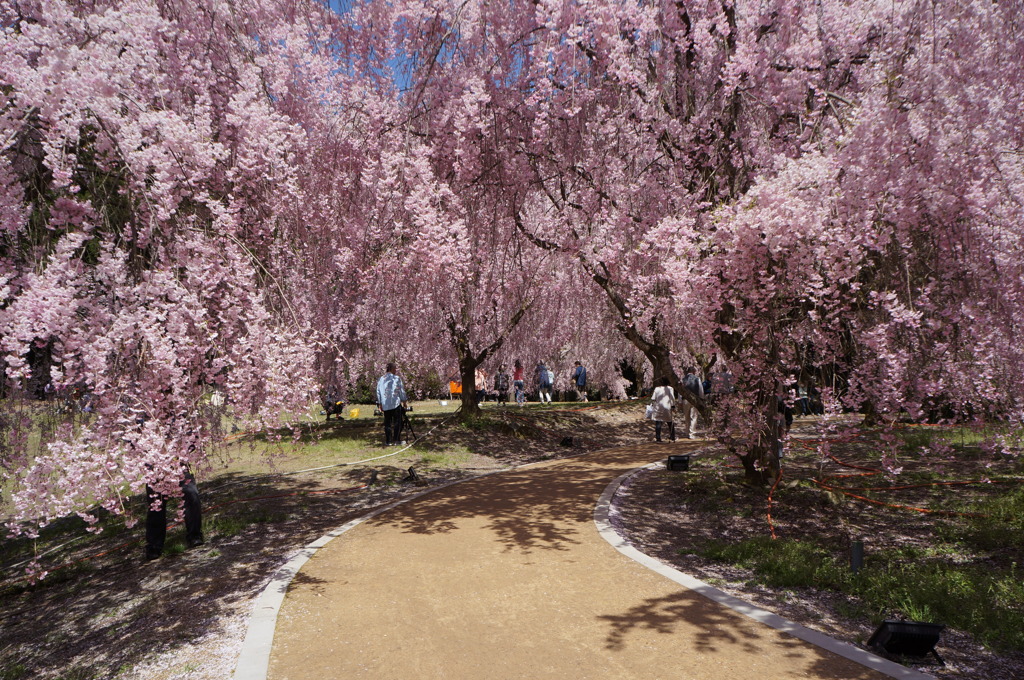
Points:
(517, 382)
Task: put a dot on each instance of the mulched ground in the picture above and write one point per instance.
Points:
(665, 515)
(107, 614)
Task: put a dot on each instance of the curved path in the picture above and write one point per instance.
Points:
(507, 576)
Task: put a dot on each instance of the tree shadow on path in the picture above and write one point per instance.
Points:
(538, 508)
(721, 631)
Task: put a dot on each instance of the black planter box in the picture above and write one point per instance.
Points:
(907, 638)
(679, 463)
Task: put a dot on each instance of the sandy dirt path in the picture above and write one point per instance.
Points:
(506, 576)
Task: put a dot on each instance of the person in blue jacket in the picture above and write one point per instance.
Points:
(579, 377)
(392, 402)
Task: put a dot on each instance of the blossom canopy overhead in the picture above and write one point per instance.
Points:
(263, 196)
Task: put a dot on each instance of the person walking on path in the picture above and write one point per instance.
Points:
(692, 384)
(803, 399)
(663, 400)
(579, 376)
(392, 402)
(518, 383)
(544, 381)
(501, 383)
(480, 385)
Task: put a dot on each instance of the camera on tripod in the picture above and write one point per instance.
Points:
(406, 422)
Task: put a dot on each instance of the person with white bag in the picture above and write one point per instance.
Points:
(663, 400)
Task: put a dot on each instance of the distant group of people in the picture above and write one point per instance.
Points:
(514, 384)
(806, 399)
(76, 398)
(393, 402)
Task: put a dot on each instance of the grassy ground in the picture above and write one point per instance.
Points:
(942, 539)
(103, 613)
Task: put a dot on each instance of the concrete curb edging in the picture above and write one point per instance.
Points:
(254, 655)
(602, 518)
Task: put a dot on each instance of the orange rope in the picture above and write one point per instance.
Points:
(923, 486)
(867, 472)
(902, 425)
(852, 466)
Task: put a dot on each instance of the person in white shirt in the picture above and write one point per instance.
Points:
(663, 400)
(392, 402)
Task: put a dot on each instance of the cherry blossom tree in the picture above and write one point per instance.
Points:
(257, 196)
(647, 120)
(758, 180)
(453, 278)
(149, 181)
(450, 288)
(874, 253)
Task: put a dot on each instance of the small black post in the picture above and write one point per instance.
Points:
(856, 556)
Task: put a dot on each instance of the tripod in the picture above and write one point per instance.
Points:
(407, 423)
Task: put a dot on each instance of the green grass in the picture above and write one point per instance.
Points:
(174, 546)
(77, 674)
(999, 526)
(15, 672)
(318, 443)
(985, 601)
(247, 457)
(261, 456)
(449, 458)
(482, 423)
(779, 563)
(965, 578)
(924, 585)
(962, 438)
(311, 443)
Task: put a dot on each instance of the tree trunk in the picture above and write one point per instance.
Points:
(467, 371)
(752, 474)
(761, 459)
(657, 353)
(468, 362)
(761, 462)
(661, 361)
